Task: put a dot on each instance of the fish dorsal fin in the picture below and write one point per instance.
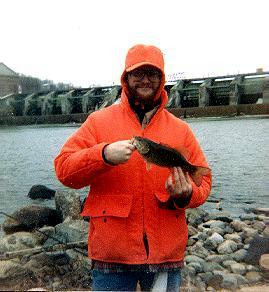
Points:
(182, 150)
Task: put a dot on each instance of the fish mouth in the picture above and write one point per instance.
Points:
(137, 138)
(136, 142)
(139, 145)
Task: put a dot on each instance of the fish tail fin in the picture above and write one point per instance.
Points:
(198, 173)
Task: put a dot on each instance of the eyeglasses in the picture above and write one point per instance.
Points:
(153, 75)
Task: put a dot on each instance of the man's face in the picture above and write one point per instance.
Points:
(144, 83)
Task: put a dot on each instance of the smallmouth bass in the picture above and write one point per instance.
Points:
(166, 156)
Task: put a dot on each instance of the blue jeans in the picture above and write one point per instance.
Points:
(127, 281)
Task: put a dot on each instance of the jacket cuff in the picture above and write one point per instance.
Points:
(104, 157)
(182, 202)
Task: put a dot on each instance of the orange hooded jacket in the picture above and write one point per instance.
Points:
(123, 200)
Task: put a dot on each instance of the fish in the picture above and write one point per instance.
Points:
(166, 156)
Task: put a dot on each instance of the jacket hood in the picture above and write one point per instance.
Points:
(140, 55)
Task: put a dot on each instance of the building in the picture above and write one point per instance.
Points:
(9, 80)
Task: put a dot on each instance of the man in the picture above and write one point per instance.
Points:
(137, 215)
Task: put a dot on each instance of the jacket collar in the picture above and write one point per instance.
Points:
(125, 102)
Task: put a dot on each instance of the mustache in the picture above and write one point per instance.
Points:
(144, 86)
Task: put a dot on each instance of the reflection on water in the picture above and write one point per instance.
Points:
(236, 149)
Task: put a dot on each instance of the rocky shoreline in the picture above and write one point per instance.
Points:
(46, 248)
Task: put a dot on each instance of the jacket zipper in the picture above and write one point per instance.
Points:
(146, 243)
(145, 238)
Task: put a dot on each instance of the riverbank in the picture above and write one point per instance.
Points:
(222, 253)
(193, 112)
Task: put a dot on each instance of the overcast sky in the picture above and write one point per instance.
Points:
(84, 42)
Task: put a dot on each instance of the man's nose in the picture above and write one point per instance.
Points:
(145, 78)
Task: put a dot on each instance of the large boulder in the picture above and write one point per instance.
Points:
(18, 241)
(258, 246)
(263, 211)
(29, 218)
(195, 216)
(14, 277)
(227, 247)
(264, 264)
(68, 204)
(222, 216)
(61, 270)
(41, 192)
(69, 231)
(213, 241)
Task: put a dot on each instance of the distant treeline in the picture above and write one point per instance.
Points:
(30, 85)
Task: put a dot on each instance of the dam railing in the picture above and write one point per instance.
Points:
(240, 89)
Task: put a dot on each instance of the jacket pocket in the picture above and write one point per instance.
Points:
(109, 238)
(162, 196)
(164, 201)
(108, 205)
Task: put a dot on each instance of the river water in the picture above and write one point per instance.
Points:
(236, 149)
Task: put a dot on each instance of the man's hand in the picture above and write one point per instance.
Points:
(119, 152)
(181, 186)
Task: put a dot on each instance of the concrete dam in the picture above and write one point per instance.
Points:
(211, 96)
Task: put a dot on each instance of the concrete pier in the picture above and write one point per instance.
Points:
(233, 90)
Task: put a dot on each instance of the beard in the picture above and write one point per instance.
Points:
(144, 95)
(142, 106)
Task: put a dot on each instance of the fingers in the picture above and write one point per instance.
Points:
(169, 185)
(129, 144)
(177, 177)
(119, 151)
(127, 149)
(186, 186)
(128, 153)
(181, 184)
